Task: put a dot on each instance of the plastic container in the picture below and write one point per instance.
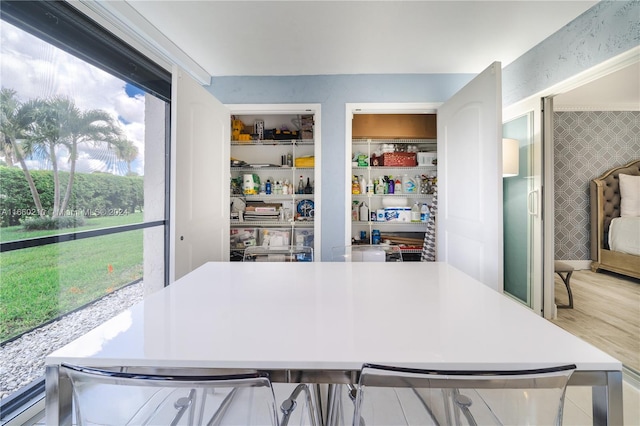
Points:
(364, 212)
(424, 212)
(415, 213)
(409, 185)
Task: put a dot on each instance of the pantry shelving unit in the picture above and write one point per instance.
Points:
(378, 202)
(296, 219)
(402, 134)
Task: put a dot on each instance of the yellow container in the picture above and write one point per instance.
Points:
(305, 161)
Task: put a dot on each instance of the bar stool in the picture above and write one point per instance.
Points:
(563, 268)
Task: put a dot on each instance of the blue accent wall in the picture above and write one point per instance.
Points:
(607, 29)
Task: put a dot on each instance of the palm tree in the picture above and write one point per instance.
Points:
(76, 127)
(39, 127)
(16, 120)
(126, 151)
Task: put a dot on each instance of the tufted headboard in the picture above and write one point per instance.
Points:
(605, 201)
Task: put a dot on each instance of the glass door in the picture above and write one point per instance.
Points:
(522, 219)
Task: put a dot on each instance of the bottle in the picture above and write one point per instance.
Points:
(398, 186)
(363, 185)
(300, 186)
(277, 188)
(267, 187)
(370, 187)
(380, 186)
(289, 160)
(418, 182)
(409, 185)
(392, 185)
(355, 185)
(375, 236)
(415, 212)
(308, 189)
(285, 187)
(364, 212)
(424, 213)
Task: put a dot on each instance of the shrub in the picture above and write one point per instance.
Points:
(92, 192)
(61, 222)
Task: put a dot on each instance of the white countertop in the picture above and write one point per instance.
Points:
(323, 315)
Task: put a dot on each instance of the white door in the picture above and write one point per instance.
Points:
(469, 221)
(200, 135)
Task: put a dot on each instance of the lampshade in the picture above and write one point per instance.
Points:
(510, 159)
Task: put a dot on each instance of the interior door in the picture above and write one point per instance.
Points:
(523, 232)
(200, 127)
(469, 221)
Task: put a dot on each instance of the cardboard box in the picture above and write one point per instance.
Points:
(394, 126)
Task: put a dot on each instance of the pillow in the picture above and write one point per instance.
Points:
(629, 195)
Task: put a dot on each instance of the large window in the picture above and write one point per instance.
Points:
(83, 205)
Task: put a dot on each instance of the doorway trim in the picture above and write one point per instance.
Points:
(602, 69)
(373, 108)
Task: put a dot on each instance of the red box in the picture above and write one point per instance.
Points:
(395, 159)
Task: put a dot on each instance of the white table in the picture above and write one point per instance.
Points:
(320, 321)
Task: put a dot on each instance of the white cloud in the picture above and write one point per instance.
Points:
(36, 69)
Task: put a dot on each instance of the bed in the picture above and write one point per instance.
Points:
(606, 203)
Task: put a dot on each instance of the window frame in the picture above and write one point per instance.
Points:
(63, 26)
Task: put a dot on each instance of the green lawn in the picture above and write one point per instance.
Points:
(41, 283)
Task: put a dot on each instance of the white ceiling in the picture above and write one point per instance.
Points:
(355, 37)
(617, 91)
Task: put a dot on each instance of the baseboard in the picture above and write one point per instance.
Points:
(631, 376)
(578, 264)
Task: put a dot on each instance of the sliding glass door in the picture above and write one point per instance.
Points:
(522, 209)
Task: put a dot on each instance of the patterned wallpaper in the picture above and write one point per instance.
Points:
(586, 144)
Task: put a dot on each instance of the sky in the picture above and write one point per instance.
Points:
(35, 69)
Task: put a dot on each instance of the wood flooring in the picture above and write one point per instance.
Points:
(606, 313)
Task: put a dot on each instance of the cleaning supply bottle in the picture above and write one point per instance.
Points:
(363, 185)
(415, 212)
(409, 184)
(424, 212)
(355, 185)
(370, 187)
(398, 186)
(392, 185)
(380, 186)
(364, 212)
